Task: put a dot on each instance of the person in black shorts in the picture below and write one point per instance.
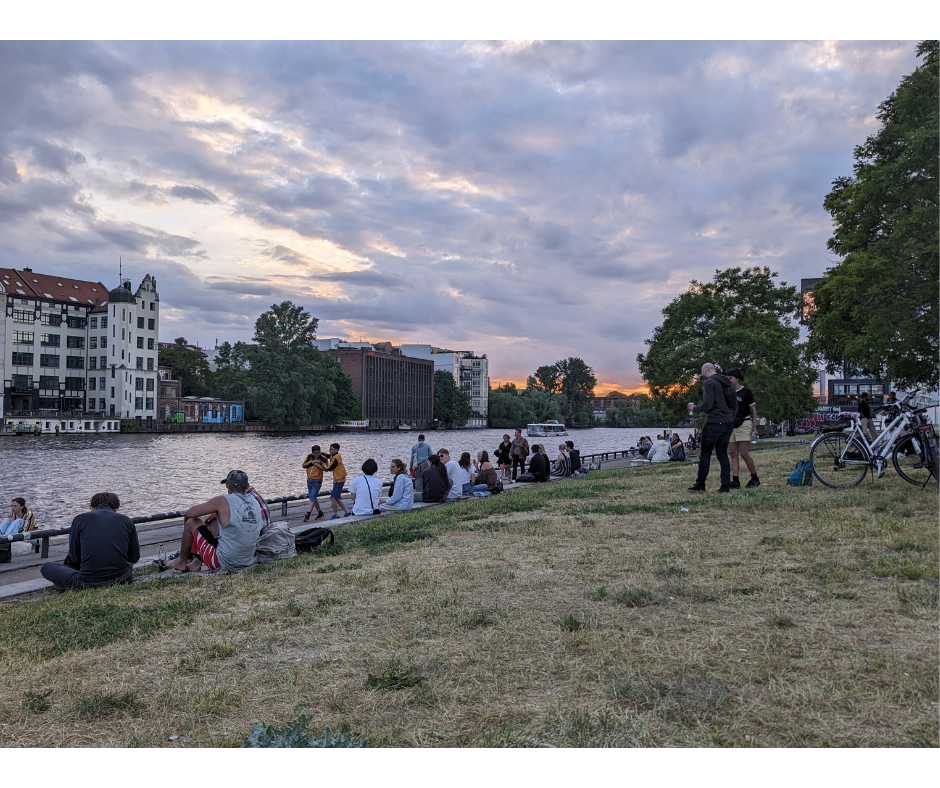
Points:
(745, 427)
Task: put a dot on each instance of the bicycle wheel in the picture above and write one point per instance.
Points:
(914, 461)
(837, 464)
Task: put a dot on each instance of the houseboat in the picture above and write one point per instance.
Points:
(548, 429)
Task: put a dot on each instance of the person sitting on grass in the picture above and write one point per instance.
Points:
(366, 489)
(453, 474)
(538, 466)
(483, 470)
(436, 483)
(644, 445)
(676, 449)
(659, 451)
(227, 537)
(562, 463)
(401, 496)
(103, 548)
(574, 457)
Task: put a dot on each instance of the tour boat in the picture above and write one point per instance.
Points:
(352, 424)
(546, 429)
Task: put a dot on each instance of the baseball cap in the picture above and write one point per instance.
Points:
(236, 479)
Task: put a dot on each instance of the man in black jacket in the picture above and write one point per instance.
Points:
(719, 424)
(103, 548)
(538, 465)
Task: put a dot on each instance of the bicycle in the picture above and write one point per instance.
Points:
(841, 459)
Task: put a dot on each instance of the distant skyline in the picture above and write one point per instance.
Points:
(527, 200)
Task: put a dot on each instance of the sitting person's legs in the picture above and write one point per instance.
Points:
(199, 541)
(61, 576)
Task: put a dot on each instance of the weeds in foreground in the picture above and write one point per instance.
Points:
(36, 702)
(295, 734)
(104, 704)
(394, 680)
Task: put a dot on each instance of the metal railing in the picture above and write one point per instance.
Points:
(44, 535)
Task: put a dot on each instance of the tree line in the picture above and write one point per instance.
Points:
(283, 379)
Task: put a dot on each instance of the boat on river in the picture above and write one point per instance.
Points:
(352, 424)
(547, 429)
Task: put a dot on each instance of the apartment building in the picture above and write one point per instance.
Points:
(70, 348)
(470, 371)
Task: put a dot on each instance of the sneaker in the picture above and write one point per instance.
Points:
(736, 485)
(335, 517)
(754, 482)
(307, 517)
(695, 488)
(348, 514)
(319, 516)
(724, 489)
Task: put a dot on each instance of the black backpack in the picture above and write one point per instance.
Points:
(305, 541)
(731, 397)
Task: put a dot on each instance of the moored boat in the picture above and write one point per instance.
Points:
(546, 429)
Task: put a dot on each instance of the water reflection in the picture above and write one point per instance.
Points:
(57, 475)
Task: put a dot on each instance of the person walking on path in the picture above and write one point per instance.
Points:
(314, 466)
(336, 467)
(519, 451)
(419, 461)
(103, 548)
(227, 537)
(745, 428)
(718, 403)
(864, 415)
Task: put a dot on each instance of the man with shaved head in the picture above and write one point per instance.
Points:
(719, 403)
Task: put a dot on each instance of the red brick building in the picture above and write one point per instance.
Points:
(394, 389)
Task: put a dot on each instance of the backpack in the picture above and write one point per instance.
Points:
(802, 475)
(305, 541)
(275, 543)
(731, 397)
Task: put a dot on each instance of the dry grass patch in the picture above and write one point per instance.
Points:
(590, 612)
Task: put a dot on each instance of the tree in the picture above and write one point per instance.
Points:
(451, 405)
(508, 408)
(293, 383)
(741, 319)
(232, 378)
(577, 382)
(877, 308)
(188, 367)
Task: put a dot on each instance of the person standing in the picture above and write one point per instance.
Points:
(503, 457)
(103, 548)
(745, 429)
(864, 414)
(336, 467)
(718, 400)
(519, 451)
(314, 466)
(419, 461)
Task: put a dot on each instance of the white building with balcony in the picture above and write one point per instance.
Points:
(470, 371)
(74, 356)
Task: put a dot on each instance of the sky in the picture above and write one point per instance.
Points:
(531, 200)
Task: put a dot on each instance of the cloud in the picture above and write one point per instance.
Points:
(529, 199)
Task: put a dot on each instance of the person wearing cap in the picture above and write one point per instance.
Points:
(265, 511)
(227, 537)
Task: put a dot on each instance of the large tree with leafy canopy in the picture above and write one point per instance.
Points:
(877, 308)
(451, 405)
(741, 319)
(188, 367)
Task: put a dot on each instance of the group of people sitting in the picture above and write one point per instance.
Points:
(662, 450)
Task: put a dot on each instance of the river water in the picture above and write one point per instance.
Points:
(57, 475)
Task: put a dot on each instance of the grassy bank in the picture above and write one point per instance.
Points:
(583, 613)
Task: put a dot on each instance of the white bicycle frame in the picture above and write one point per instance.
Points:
(886, 440)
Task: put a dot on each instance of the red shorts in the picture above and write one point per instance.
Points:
(205, 549)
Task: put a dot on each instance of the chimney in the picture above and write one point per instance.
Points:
(27, 270)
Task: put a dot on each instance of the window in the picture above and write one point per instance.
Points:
(103, 361)
(75, 342)
(140, 342)
(92, 383)
(49, 382)
(112, 392)
(138, 403)
(140, 322)
(49, 403)
(104, 322)
(50, 319)
(150, 364)
(94, 322)
(111, 409)
(139, 384)
(75, 384)
(101, 404)
(101, 383)
(104, 342)
(149, 384)
(150, 343)
(92, 343)
(49, 340)
(122, 333)
(74, 362)
(140, 362)
(92, 362)
(73, 321)
(22, 316)
(23, 337)
(91, 406)
(123, 315)
(149, 403)
(22, 359)
(22, 382)
(153, 307)
(151, 324)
